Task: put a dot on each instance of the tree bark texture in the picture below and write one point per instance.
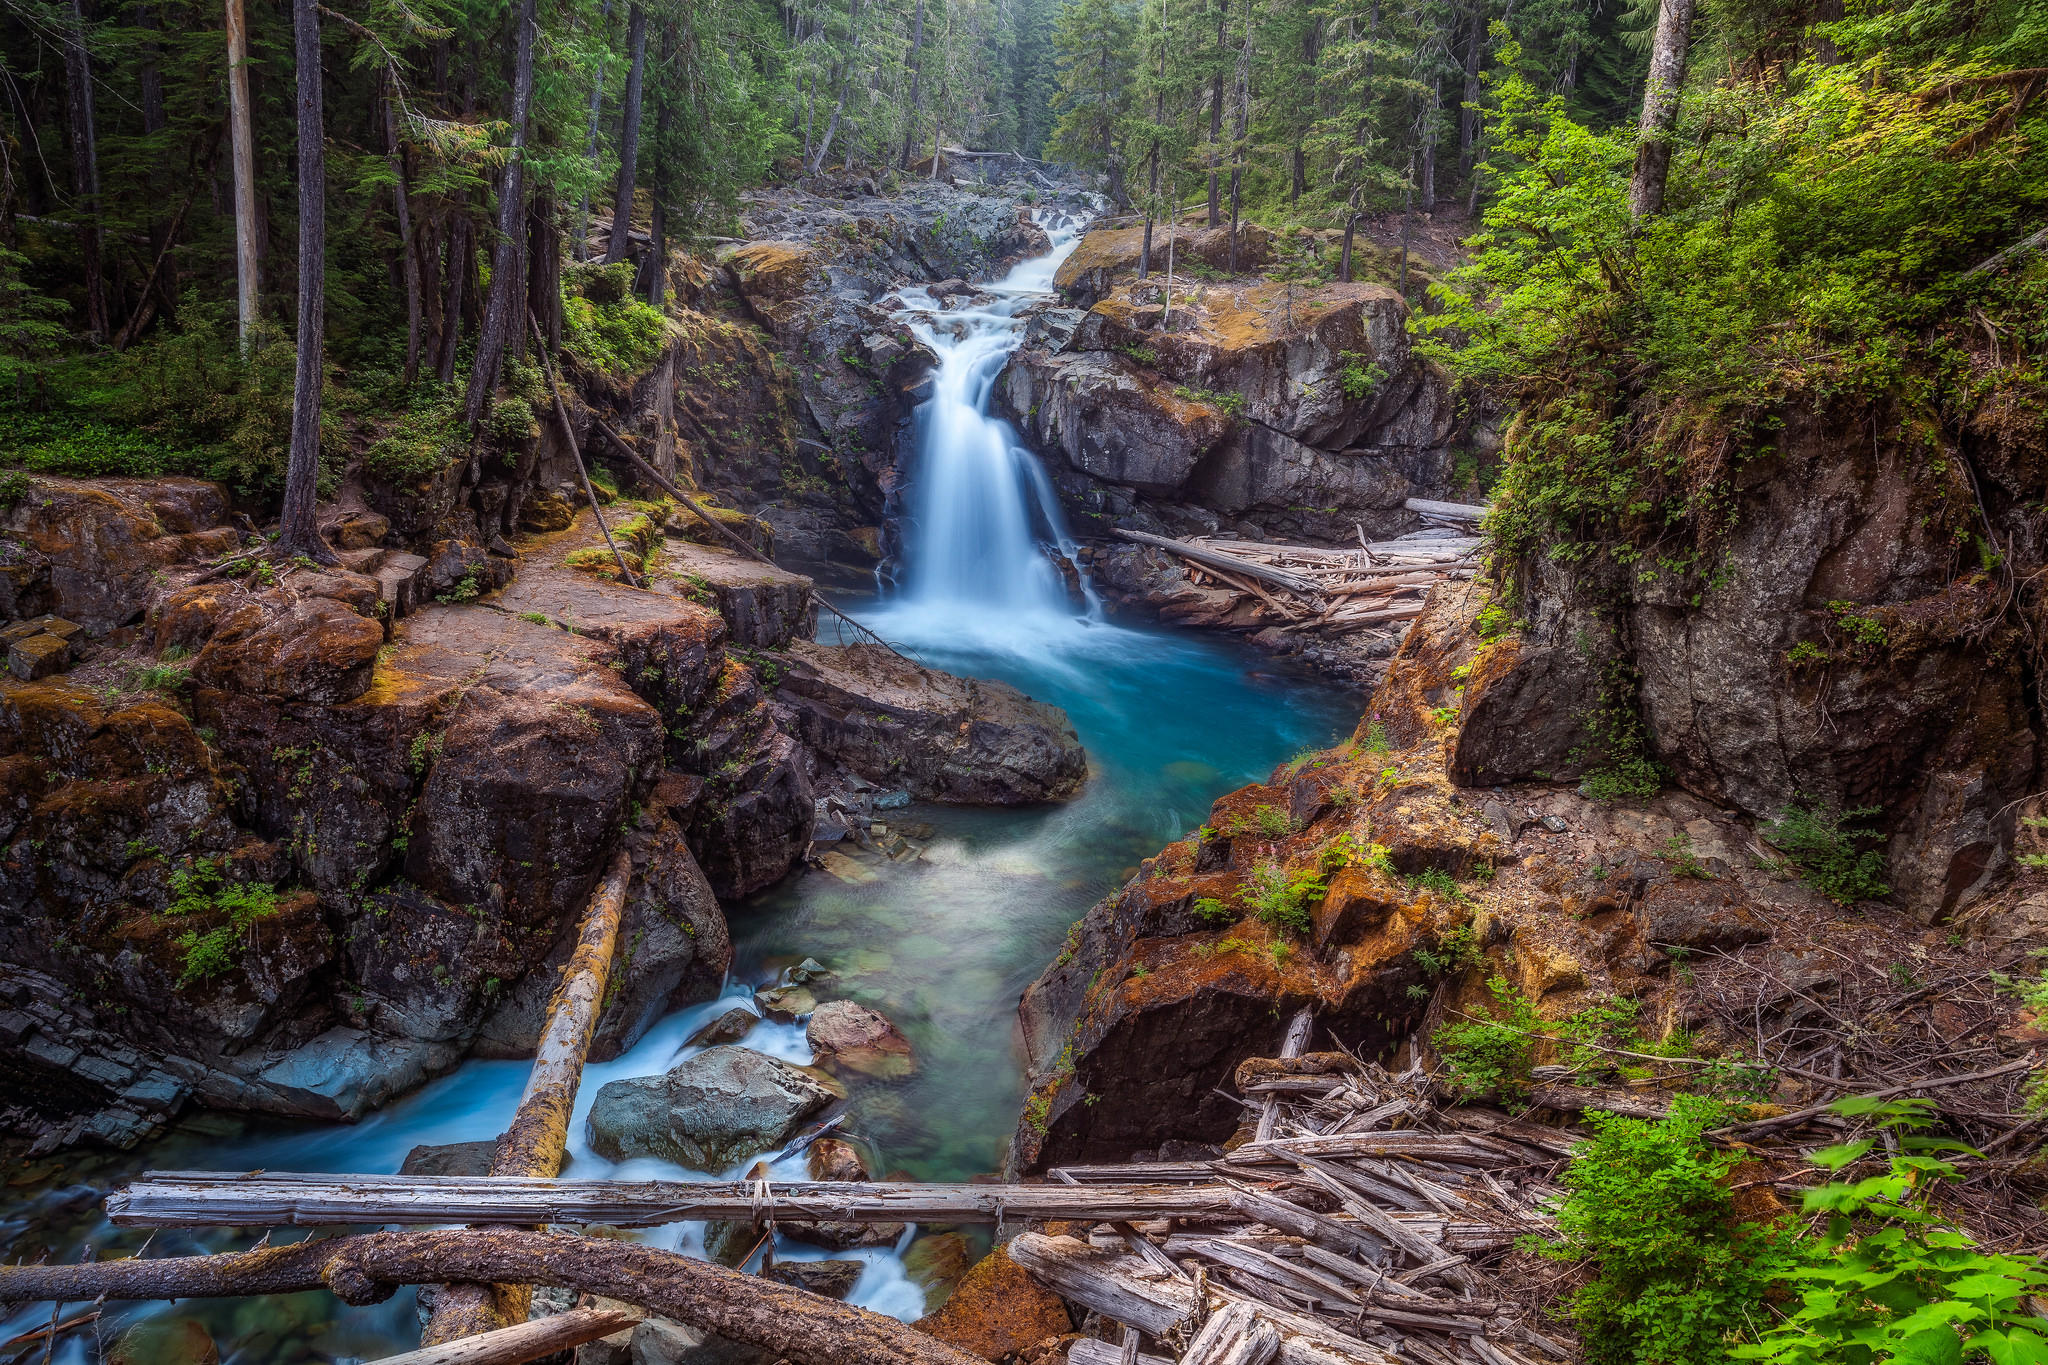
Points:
(368, 1269)
(85, 172)
(501, 313)
(298, 531)
(243, 144)
(1660, 109)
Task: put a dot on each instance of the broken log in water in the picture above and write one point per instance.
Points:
(538, 1137)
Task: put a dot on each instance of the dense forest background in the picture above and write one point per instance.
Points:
(462, 155)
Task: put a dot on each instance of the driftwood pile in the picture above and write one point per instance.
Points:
(1360, 1223)
(1336, 591)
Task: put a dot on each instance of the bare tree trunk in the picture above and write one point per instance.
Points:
(1243, 97)
(298, 531)
(1429, 131)
(501, 312)
(461, 247)
(85, 172)
(544, 269)
(243, 142)
(916, 75)
(629, 136)
(366, 1269)
(590, 150)
(842, 75)
(1344, 260)
(1468, 102)
(1660, 109)
(657, 255)
(1216, 113)
(409, 261)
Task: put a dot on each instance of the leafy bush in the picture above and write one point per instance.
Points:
(1889, 1279)
(1211, 911)
(1676, 1280)
(422, 443)
(1493, 1055)
(619, 335)
(1825, 846)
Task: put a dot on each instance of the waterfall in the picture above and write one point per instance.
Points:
(982, 506)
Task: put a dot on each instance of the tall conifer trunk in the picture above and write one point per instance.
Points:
(242, 140)
(1660, 109)
(298, 530)
(500, 313)
(85, 172)
(629, 136)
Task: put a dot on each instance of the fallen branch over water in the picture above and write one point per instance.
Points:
(523, 1341)
(368, 1269)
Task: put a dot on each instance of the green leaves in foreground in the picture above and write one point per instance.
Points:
(1871, 1273)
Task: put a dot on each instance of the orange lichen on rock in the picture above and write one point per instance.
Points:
(997, 1310)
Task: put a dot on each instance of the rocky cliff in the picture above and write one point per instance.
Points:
(1279, 409)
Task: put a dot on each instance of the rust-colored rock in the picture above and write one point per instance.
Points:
(998, 1310)
(92, 550)
(295, 649)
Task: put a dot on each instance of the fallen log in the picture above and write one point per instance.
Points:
(1235, 1336)
(538, 1137)
(1089, 1351)
(261, 1199)
(367, 1269)
(522, 1341)
(1291, 1046)
(1577, 1099)
(1456, 511)
(1215, 559)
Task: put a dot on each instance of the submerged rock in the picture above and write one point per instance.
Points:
(943, 738)
(785, 1004)
(854, 1037)
(712, 1111)
(832, 1279)
(729, 1027)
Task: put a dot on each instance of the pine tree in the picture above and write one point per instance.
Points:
(1091, 42)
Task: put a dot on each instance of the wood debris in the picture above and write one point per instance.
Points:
(1303, 587)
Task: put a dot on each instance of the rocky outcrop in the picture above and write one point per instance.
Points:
(1289, 412)
(714, 1110)
(92, 550)
(1840, 656)
(876, 714)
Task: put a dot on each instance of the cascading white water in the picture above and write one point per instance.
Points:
(982, 506)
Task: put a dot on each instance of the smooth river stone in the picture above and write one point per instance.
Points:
(854, 1037)
(711, 1112)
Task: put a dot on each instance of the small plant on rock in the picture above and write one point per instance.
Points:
(1830, 852)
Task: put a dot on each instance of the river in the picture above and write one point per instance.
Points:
(943, 945)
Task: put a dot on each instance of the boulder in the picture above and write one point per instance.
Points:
(277, 644)
(450, 1158)
(785, 1004)
(94, 550)
(889, 721)
(764, 607)
(710, 1112)
(935, 1262)
(834, 1159)
(729, 1027)
(658, 1341)
(832, 1279)
(998, 1310)
(856, 1038)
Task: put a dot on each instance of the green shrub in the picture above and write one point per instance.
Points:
(1890, 1279)
(420, 444)
(1282, 900)
(200, 890)
(1826, 848)
(1211, 911)
(1676, 1280)
(1492, 1056)
(621, 337)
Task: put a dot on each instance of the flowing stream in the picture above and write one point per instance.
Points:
(943, 945)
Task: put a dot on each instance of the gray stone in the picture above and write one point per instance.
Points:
(658, 1341)
(712, 1111)
(450, 1158)
(833, 1279)
(728, 1027)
